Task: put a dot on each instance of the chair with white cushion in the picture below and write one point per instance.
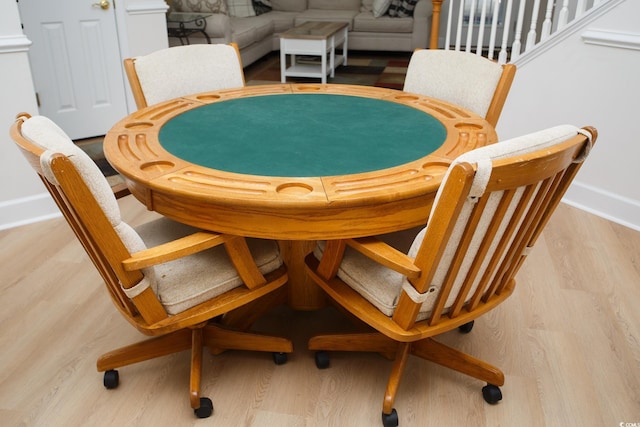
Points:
(492, 206)
(183, 70)
(172, 282)
(462, 78)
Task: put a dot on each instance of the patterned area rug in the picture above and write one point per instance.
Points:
(381, 69)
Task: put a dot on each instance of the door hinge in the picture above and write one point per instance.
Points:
(38, 99)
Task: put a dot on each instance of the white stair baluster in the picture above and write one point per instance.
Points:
(483, 18)
(546, 25)
(472, 18)
(494, 28)
(502, 56)
(460, 25)
(581, 7)
(563, 18)
(517, 42)
(531, 36)
(447, 36)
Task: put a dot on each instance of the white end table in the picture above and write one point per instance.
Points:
(313, 38)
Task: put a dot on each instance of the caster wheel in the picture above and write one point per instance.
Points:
(466, 328)
(322, 359)
(390, 420)
(111, 379)
(206, 408)
(280, 358)
(491, 393)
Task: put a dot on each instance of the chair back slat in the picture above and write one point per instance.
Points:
(485, 247)
(493, 231)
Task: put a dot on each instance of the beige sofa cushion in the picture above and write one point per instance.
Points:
(251, 29)
(366, 22)
(218, 26)
(335, 4)
(282, 21)
(289, 5)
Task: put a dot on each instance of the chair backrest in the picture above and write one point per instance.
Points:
(491, 208)
(462, 78)
(183, 70)
(85, 199)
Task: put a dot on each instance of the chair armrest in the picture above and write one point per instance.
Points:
(386, 255)
(173, 250)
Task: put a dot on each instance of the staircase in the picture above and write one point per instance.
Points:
(507, 30)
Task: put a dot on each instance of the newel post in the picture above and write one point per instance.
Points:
(435, 23)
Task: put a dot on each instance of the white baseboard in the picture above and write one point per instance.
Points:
(621, 210)
(27, 210)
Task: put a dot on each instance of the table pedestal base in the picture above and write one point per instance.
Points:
(303, 294)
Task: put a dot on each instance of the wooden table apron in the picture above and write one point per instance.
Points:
(294, 210)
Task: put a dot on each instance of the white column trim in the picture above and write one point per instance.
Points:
(147, 8)
(14, 43)
(612, 39)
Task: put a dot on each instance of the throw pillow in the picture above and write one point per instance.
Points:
(380, 7)
(402, 8)
(261, 6)
(199, 6)
(241, 8)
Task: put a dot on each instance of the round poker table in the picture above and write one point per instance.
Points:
(294, 162)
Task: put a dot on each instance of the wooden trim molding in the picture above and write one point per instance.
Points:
(612, 39)
(147, 7)
(14, 43)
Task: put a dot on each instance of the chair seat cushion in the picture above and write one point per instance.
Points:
(376, 283)
(191, 280)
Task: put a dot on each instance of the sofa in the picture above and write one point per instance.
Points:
(255, 25)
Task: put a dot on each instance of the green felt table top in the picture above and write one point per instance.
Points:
(302, 135)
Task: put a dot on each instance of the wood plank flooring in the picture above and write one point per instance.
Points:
(568, 342)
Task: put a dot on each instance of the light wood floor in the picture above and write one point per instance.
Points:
(568, 342)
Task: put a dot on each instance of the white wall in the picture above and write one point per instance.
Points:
(23, 198)
(22, 195)
(586, 84)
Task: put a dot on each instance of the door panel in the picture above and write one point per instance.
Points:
(76, 64)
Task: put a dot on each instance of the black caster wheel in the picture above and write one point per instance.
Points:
(322, 359)
(206, 408)
(466, 328)
(390, 420)
(491, 394)
(111, 379)
(280, 358)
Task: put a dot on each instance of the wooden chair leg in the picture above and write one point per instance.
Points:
(451, 358)
(394, 379)
(145, 350)
(217, 337)
(196, 367)
(369, 342)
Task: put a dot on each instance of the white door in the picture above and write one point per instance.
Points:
(76, 64)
